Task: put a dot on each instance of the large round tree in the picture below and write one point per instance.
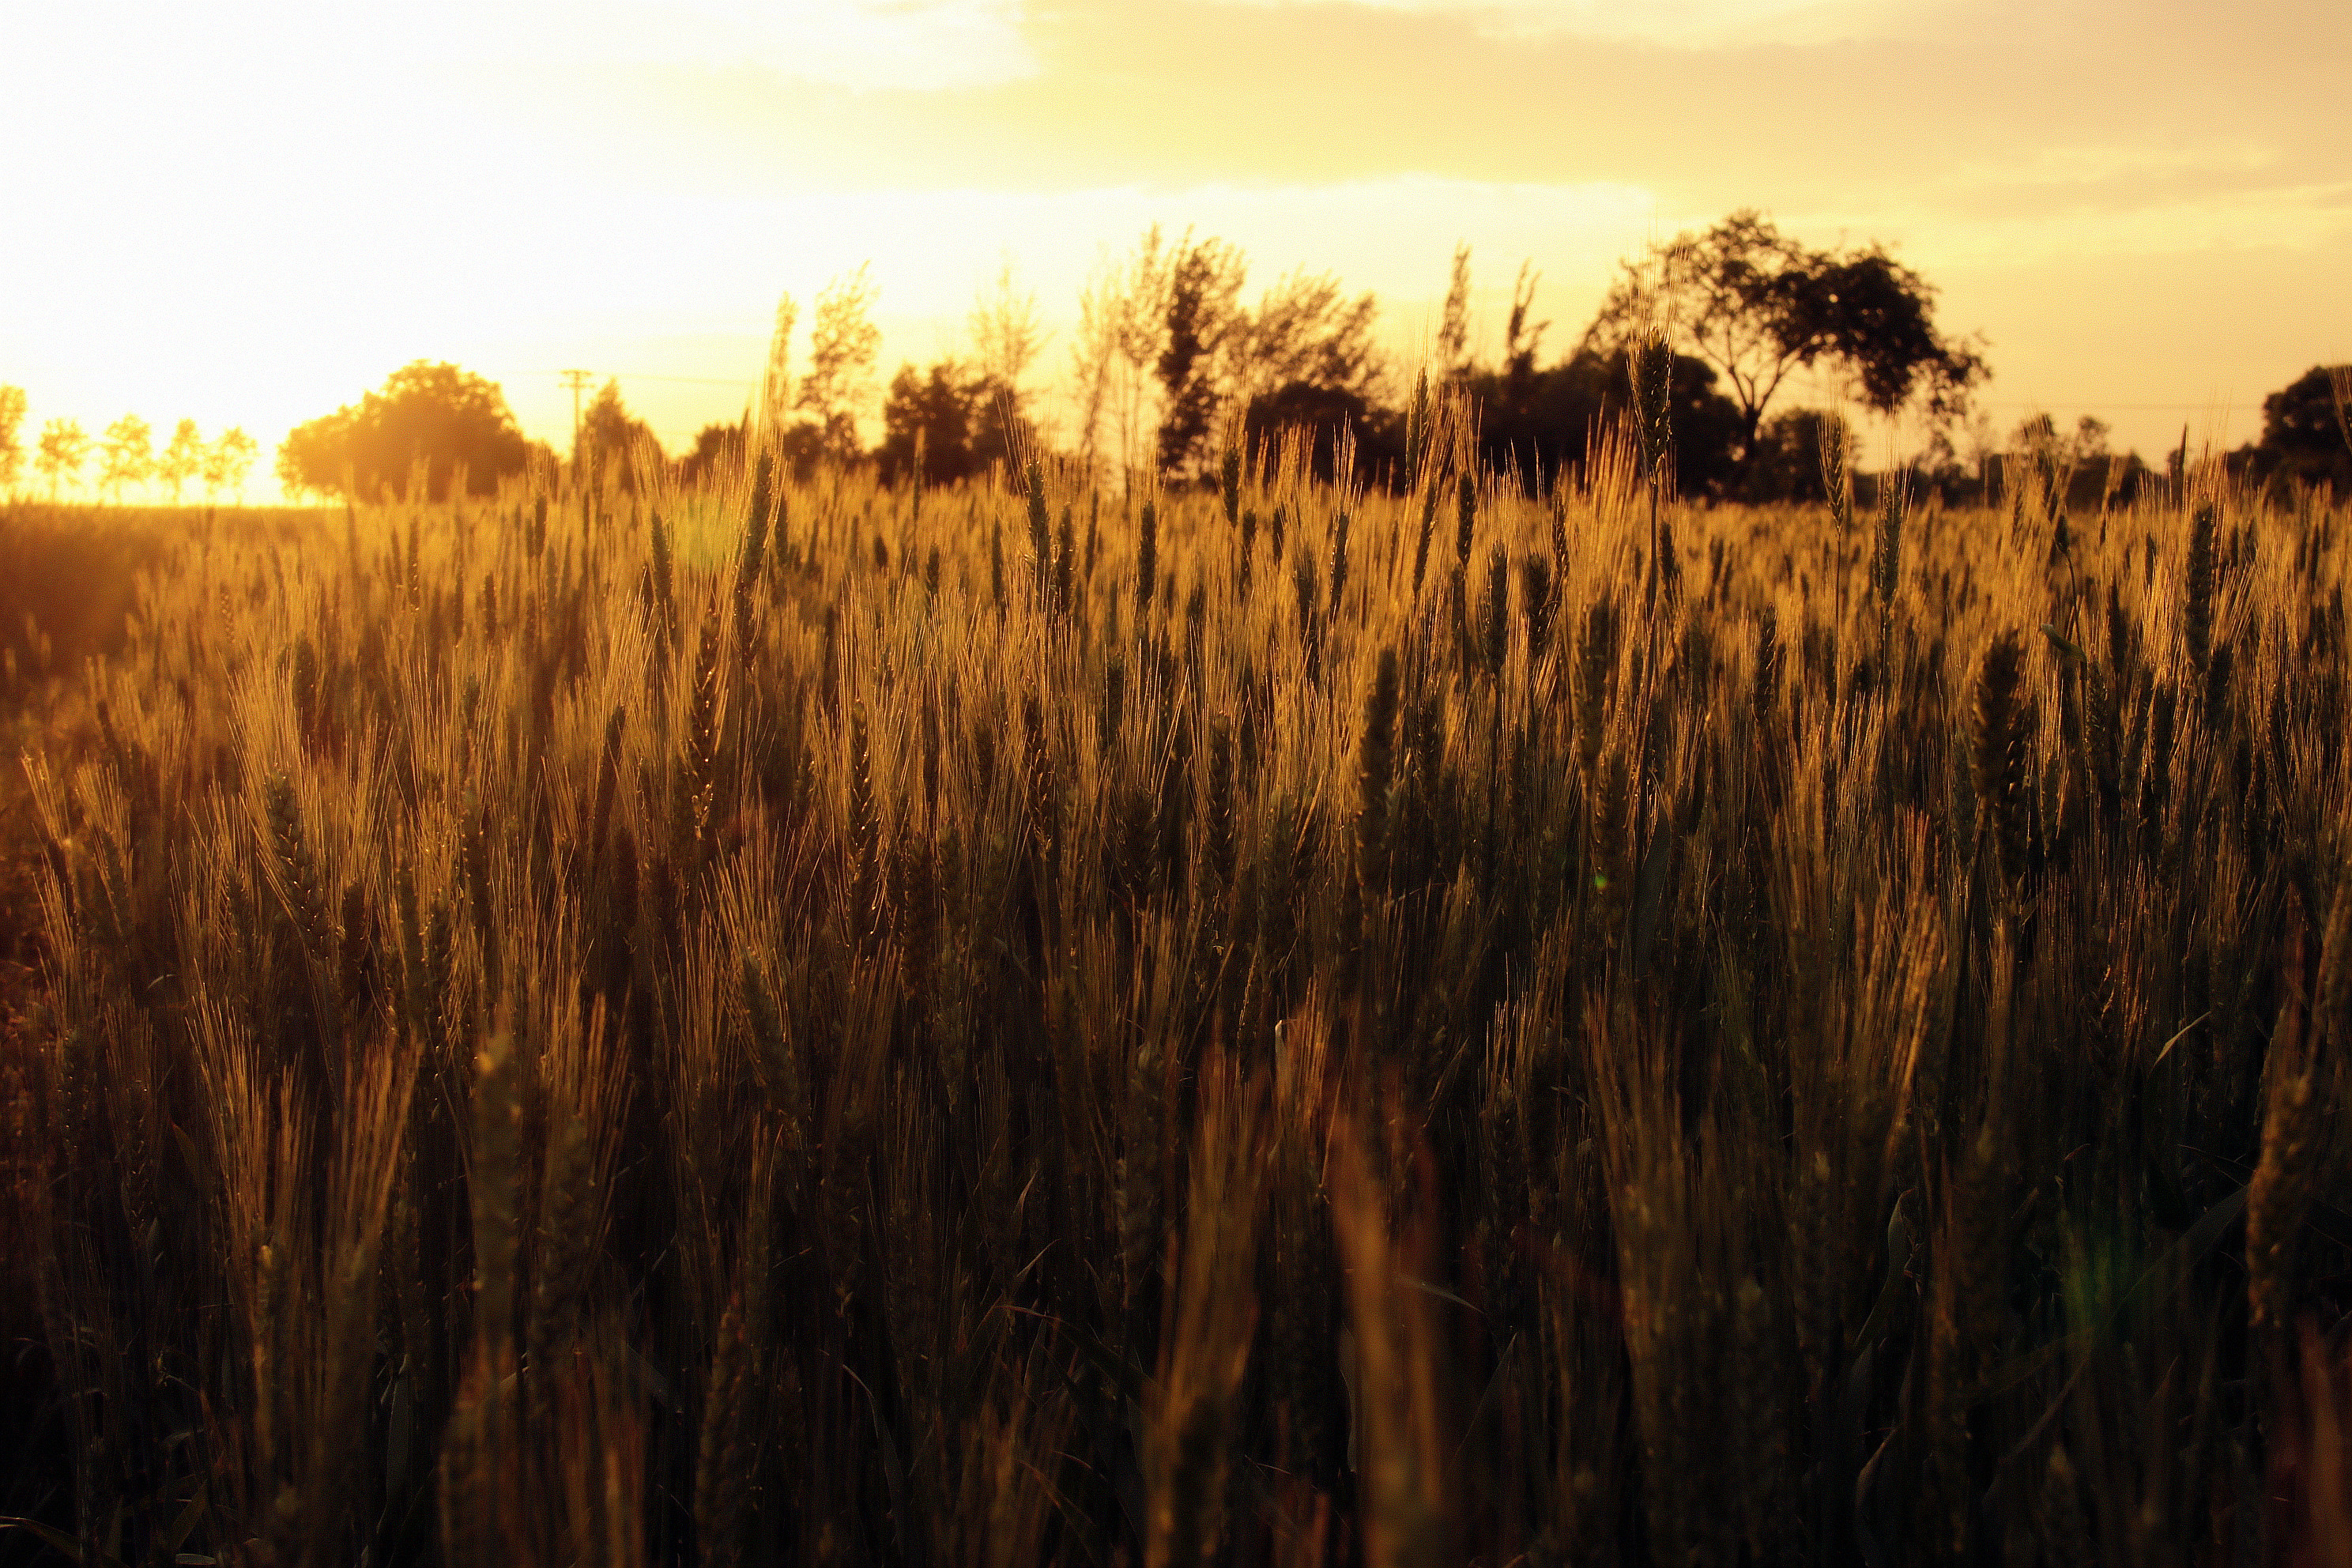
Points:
(2307, 430)
(429, 421)
(1757, 306)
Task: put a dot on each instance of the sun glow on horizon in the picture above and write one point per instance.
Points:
(251, 214)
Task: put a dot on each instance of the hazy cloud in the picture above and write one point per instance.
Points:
(918, 45)
(1676, 23)
(866, 45)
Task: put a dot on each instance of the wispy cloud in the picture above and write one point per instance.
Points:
(905, 44)
(1684, 23)
(860, 44)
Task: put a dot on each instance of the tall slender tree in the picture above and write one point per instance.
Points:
(1305, 329)
(1454, 327)
(11, 427)
(615, 442)
(228, 458)
(844, 343)
(64, 448)
(1204, 284)
(126, 454)
(1007, 332)
(182, 458)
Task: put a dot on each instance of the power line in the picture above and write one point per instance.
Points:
(2092, 402)
(698, 380)
(627, 375)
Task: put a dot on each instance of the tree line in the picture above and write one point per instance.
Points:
(1172, 364)
(125, 453)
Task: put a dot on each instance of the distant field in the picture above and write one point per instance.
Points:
(1271, 1025)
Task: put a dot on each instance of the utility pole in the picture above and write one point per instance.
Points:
(576, 380)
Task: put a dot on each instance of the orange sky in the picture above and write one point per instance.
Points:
(250, 213)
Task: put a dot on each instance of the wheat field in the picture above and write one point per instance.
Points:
(1266, 1023)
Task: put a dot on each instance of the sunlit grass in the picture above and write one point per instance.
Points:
(985, 1030)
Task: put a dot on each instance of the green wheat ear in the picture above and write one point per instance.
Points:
(1041, 543)
(1376, 772)
(1495, 615)
(1147, 561)
(1339, 523)
(1837, 483)
(1536, 605)
(2197, 613)
(1466, 513)
(2003, 720)
(1657, 405)
(1886, 558)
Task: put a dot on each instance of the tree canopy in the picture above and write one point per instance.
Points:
(1538, 423)
(1204, 284)
(1322, 414)
(64, 448)
(843, 344)
(1757, 306)
(961, 420)
(182, 458)
(716, 448)
(613, 440)
(1172, 357)
(430, 418)
(2307, 434)
(126, 454)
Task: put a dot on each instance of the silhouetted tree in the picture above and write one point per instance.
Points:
(2037, 437)
(928, 416)
(963, 421)
(1305, 333)
(1785, 464)
(432, 418)
(716, 448)
(1122, 323)
(801, 447)
(1168, 354)
(1454, 327)
(1322, 414)
(2076, 465)
(615, 441)
(2304, 436)
(1520, 338)
(1538, 423)
(1869, 314)
(1757, 306)
(1204, 284)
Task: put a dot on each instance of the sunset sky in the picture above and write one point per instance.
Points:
(250, 213)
